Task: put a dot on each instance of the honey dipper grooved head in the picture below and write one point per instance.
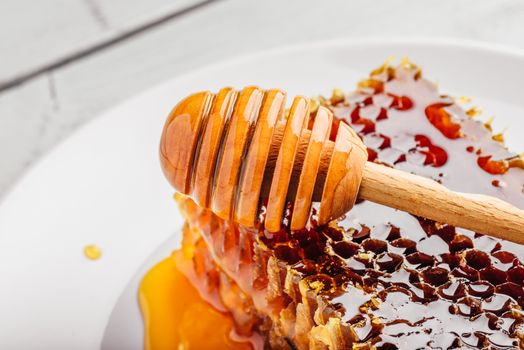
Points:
(235, 151)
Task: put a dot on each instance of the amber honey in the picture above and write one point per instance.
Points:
(176, 317)
(376, 278)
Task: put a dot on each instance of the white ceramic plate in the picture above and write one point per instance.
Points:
(104, 185)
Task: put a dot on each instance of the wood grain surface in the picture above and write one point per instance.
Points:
(426, 198)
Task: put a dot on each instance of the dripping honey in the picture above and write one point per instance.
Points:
(176, 317)
(304, 249)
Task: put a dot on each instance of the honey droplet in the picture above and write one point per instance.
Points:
(375, 303)
(371, 86)
(389, 61)
(517, 162)
(487, 123)
(337, 96)
(498, 137)
(443, 121)
(92, 252)
(474, 112)
(376, 321)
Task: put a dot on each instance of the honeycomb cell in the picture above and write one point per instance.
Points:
(433, 286)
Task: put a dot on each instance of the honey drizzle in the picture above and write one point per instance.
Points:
(177, 317)
(418, 282)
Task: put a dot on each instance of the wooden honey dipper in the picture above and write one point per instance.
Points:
(234, 149)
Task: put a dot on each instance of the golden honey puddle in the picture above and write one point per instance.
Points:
(176, 317)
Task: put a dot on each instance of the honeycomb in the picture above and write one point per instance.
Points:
(378, 278)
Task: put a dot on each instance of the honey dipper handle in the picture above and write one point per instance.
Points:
(425, 197)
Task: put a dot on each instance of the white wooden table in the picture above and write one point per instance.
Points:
(65, 61)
